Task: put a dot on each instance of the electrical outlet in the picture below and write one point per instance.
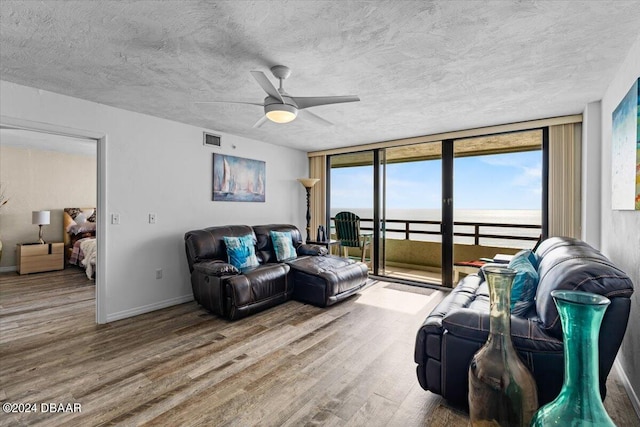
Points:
(152, 218)
(159, 273)
(115, 219)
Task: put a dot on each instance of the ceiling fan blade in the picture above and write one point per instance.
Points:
(316, 118)
(268, 87)
(228, 102)
(260, 122)
(313, 101)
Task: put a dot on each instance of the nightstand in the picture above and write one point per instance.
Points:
(37, 257)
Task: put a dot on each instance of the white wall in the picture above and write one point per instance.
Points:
(620, 231)
(591, 173)
(159, 166)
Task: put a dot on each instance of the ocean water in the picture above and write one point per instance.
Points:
(506, 216)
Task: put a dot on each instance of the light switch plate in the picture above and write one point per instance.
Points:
(115, 219)
(152, 218)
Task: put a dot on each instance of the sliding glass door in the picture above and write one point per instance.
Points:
(434, 209)
(411, 212)
(497, 197)
(351, 178)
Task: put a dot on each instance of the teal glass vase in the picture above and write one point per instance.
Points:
(502, 391)
(579, 403)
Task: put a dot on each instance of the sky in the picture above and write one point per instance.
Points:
(497, 181)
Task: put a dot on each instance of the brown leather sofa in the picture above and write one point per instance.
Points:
(313, 277)
(459, 325)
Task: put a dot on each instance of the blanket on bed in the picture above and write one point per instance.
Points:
(88, 247)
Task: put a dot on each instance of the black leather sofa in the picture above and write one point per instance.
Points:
(459, 325)
(313, 277)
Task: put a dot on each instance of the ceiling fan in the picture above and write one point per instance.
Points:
(279, 106)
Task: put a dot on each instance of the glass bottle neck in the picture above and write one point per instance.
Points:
(582, 328)
(500, 312)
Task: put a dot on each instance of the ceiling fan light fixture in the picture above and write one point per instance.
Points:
(280, 113)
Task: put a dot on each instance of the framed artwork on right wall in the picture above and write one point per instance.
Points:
(625, 155)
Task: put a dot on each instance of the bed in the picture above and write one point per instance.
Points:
(80, 238)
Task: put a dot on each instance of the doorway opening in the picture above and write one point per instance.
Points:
(48, 192)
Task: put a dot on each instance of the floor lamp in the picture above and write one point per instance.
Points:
(308, 183)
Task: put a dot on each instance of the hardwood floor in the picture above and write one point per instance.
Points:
(293, 365)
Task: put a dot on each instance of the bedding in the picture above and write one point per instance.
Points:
(83, 254)
(88, 247)
(80, 237)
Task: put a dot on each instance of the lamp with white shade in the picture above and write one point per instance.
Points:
(308, 183)
(41, 218)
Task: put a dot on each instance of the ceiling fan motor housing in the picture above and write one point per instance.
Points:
(280, 113)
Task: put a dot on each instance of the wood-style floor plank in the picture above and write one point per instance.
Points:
(293, 365)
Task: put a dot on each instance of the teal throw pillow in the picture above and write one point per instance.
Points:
(283, 245)
(532, 257)
(241, 251)
(525, 284)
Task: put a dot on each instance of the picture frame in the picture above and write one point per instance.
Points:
(237, 179)
(625, 154)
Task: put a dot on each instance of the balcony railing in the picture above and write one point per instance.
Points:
(406, 228)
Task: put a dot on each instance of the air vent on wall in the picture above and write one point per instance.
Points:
(211, 139)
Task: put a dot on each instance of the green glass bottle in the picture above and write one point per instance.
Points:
(579, 403)
(502, 391)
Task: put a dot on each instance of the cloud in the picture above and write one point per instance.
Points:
(528, 176)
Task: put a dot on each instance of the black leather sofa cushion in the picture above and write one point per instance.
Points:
(473, 325)
(264, 246)
(571, 264)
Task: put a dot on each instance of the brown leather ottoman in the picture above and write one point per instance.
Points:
(325, 280)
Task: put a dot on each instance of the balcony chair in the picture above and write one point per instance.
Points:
(348, 233)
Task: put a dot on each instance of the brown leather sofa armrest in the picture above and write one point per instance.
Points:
(248, 288)
(216, 268)
(526, 334)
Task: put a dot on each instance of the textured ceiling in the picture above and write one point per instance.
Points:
(419, 67)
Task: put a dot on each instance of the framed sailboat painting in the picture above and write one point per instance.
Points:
(236, 179)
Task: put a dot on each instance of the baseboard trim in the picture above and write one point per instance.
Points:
(8, 269)
(148, 308)
(633, 397)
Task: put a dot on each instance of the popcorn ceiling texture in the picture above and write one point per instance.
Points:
(420, 67)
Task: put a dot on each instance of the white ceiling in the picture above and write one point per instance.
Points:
(419, 67)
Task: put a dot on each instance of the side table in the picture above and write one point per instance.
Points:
(327, 243)
(38, 257)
